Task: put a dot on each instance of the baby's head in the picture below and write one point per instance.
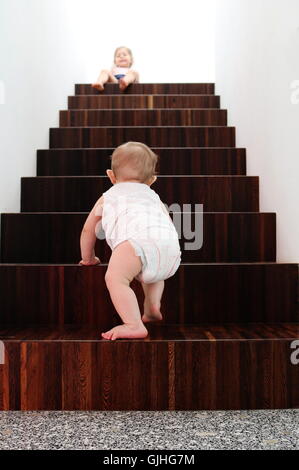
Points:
(123, 57)
(133, 161)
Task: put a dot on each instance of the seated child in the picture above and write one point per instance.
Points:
(120, 73)
(141, 235)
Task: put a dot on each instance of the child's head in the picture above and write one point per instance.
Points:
(133, 161)
(123, 57)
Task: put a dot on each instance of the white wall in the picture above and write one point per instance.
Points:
(46, 46)
(39, 64)
(171, 40)
(257, 64)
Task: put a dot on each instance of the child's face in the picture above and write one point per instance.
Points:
(123, 58)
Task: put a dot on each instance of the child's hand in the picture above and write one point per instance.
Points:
(93, 262)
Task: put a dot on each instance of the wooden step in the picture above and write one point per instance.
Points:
(79, 193)
(206, 367)
(143, 117)
(215, 293)
(54, 237)
(227, 338)
(149, 88)
(172, 161)
(94, 137)
(143, 101)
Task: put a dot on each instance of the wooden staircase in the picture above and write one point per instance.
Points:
(230, 311)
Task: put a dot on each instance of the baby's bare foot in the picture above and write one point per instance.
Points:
(125, 331)
(123, 83)
(151, 313)
(98, 86)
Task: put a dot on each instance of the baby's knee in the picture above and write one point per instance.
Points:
(135, 74)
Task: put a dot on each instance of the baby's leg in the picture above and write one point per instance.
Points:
(123, 266)
(130, 77)
(152, 301)
(104, 77)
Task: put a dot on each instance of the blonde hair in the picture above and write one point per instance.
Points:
(134, 160)
(128, 51)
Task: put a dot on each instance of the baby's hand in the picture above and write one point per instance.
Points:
(90, 263)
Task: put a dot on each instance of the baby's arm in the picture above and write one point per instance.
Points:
(88, 235)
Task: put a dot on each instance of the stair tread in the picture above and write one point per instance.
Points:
(86, 212)
(145, 94)
(139, 127)
(159, 176)
(153, 83)
(138, 110)
(160, 332)
(242, 263)
(71, 149)
(152, 88)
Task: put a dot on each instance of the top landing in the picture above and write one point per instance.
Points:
(149, 89)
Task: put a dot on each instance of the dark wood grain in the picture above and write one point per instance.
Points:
(54, 237)
(206, 367)
(230, 312)
(94, 137)
(205, 332)
(143, 117)
(235, 375)
(152, 88)
(77, 193)
(214, 293)
(10, 378)
(142, 101)
(41, 372)
(172, 161)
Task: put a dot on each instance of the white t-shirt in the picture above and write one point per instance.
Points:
(134, 210)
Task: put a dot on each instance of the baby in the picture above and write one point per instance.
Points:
(141, 235)
(120, 73)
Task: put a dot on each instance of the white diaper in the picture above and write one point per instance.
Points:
(160, 258)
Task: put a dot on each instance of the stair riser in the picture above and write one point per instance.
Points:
(143, 101)
(84, 162)
(193, 375)
(56, 295)
(96, 137)
(149, 88)
(69, 194)
(144, 118)
(54, 238)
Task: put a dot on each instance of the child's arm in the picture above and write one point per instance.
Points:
(137, 78)
(88, 237)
